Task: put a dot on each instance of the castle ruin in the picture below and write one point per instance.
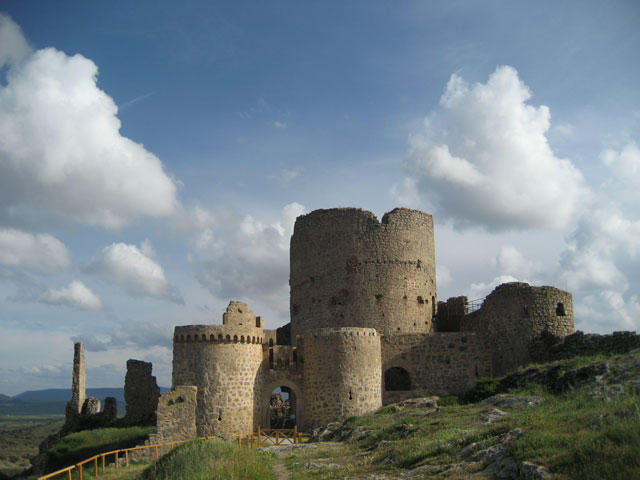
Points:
(366, 330)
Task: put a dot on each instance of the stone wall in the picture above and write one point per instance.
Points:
(436, 363)
(350, 270)
(342, 374)
(547, 347)
(176, 415)
(141, 393)
(512, 315)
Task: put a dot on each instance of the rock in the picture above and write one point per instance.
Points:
(492, 416)
(420, 402)
(324, 434)
(531, 471)
(504, 400)
(315, 466)
(498, 460)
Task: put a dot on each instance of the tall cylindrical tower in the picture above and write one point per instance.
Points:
(342, 374)
(350, 270)
(224, 362)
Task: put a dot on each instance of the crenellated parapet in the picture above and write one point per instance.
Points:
(216, 334)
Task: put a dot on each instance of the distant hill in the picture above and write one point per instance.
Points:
(53, 401)
(64, 394)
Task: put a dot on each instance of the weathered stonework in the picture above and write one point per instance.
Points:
(512, 315)
(141, 393)
(350, 270)
(365, 331)
(342, 372)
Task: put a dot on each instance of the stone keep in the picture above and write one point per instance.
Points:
(350, 270)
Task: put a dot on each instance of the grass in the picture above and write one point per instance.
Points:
(20, 438)
(212, 459)
(576, 434)
(78, 446)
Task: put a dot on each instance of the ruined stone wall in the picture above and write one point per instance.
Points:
(78, 383)
(547, 347)
(176, 415)
(513, 314)
(227, 374)
(440, 364)
(341, 373)
(141, 393)
(350, 270)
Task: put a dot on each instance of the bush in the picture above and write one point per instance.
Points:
(485, 388)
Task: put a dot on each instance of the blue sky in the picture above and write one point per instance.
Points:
(154, 155)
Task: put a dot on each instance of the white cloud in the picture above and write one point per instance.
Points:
(13, 46)
(623, 186)
(510, 261)
(483, 158)
(482, 289)
(76, 295)
(133, 269)
(281, 125)
(40, 253)
(62, 156)
(247, 259)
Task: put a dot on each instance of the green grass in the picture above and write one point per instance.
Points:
(211, 460)
(79, 446)
(576, 434)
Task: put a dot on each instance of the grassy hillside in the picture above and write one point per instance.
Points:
(588, 429)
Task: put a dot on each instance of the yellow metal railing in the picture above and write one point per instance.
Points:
(102, 459)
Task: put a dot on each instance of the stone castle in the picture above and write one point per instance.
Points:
(366, 330)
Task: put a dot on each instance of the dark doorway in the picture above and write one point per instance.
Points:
(397, 379)
(282, 408)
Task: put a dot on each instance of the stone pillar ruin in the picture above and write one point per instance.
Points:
(141, 393)
(78, 384)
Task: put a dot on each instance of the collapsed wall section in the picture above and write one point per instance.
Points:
(342, 372)
(512, 315)
(432, 364)
(350, 270)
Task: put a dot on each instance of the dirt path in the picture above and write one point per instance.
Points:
(280, 470)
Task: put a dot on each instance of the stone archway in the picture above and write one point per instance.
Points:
(282, 411)
(289, 414)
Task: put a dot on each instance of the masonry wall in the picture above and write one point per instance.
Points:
(437, 363)
(350, 270)
(176, 418)
(512, 315)
(342, 373)
(547, 347)
(227, 375)
(141, 393)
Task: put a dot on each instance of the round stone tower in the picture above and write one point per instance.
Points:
(224, 362)
(342, 374)
(516, 312)
(350, 270)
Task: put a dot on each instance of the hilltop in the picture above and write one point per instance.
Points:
(575, 418)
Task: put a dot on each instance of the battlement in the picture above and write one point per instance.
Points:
(215, 334)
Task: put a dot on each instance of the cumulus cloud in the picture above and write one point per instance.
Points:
(62, 156)
(601, 263)
(146, 335)
(483, 158)
(76, 295)
(510, 261)
(247, 259)
(13, 45)
(40, 253)
(134, 270)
